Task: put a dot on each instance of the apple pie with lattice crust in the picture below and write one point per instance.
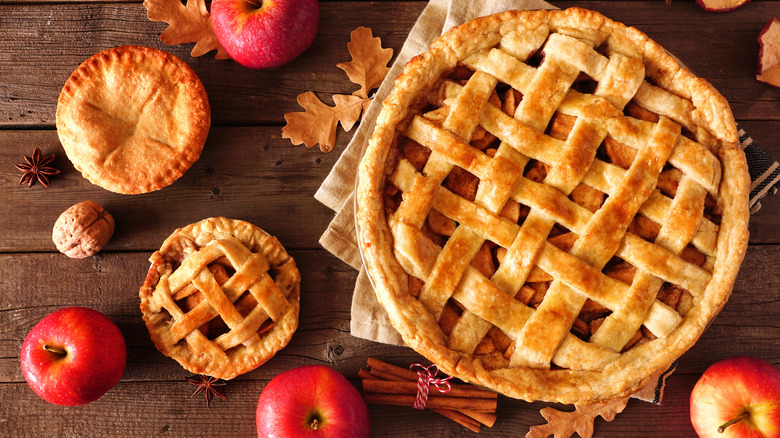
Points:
(221, 297)
(551, 206)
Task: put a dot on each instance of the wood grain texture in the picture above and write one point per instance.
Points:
(53, 35)
(248, 171)
(109, 283)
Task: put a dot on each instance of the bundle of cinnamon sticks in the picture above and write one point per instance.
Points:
(467, 405)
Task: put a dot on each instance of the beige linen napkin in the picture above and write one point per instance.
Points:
(368, 318)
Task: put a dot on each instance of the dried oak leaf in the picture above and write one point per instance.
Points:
(368, 67)
(563, 424)
(186, 24)
(319, 122)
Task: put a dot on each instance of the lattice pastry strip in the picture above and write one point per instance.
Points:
(580, 54)
(619, 79)
(692, 158)
(528, 192)
(602, 176)
(436, 169)
(633, 248)
(580, 147)
(675, 234)
(555, 315)
(458, 125)
(194, 269)
(550, 85)
(488, 302)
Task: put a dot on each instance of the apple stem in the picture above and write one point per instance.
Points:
(256, 3)
(736, 419)
(55, 350)
(315, 424)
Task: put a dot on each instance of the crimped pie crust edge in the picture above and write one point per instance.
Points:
(193, 106)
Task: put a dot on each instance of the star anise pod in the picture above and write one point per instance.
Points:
(37, 168)
(210, 385)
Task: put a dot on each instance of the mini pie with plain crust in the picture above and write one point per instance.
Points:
(133, 119)
(221, 297)
(551, 206)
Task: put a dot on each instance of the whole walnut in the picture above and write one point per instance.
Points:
(82, 230)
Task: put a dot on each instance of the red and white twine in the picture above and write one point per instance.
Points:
(426, 376)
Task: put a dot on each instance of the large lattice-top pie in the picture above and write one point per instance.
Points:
(221, 297)
(551, 206)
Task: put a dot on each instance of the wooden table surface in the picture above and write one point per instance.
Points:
(247, 171)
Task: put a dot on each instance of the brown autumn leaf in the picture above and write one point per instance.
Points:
(186, 24)
(368, 67)
(563, 424)
(319, 122)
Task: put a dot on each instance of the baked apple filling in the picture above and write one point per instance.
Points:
(496, 347)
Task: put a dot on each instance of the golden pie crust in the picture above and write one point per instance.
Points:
(551, 206)
(133, 119)
(221, 297)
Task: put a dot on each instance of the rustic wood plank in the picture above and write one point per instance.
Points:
(247, 173)
(37, 284)
(109, 283)
(177, 414)
(54, 35)
(61, 36)
(40, 283)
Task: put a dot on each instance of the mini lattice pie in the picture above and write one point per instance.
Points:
(221, 297)
(551, 207)
(133, 119)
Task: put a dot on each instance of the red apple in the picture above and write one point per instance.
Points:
(736, 398)
(265, 33)
(720, 5)
(73, 356)
(311, 401)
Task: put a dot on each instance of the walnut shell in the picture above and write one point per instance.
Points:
(82, 230)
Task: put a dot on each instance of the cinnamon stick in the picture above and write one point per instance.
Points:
(468, 419)
(434, 401)
(383, 367)
(488, 419)
(397, 383)
(410, 388)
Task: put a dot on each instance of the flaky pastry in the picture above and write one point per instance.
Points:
(551, 206)
(221, 297)
(133, 119)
